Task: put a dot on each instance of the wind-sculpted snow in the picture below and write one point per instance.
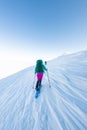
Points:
(61, 107)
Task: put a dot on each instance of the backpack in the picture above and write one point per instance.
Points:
(39, 66)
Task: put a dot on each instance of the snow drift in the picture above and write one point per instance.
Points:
(61, 107)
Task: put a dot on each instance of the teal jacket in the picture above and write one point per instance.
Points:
(40, 67)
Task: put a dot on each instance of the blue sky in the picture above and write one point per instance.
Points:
(32, 29)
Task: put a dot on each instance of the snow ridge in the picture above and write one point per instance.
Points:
(61, 107)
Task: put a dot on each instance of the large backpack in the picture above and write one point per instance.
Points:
(39, 66)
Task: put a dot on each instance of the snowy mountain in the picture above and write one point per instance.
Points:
(61, 107)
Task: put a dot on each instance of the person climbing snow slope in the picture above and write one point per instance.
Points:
(39, 71)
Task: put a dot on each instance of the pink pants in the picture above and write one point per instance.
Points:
(39, 76)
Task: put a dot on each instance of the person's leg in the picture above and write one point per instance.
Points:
(40, 76)
(39, 79)
(40, 82)
(37, 84)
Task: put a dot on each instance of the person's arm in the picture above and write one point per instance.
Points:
(44, 68)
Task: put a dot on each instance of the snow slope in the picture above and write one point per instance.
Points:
(61, 107)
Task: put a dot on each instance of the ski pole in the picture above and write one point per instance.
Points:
(33, 81)
(48, 79)
(48, 75)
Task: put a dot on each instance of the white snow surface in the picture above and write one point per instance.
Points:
(61, 107)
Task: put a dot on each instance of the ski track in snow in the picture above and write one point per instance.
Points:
(61, 107)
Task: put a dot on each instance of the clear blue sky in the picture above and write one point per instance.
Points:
(30, 29)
